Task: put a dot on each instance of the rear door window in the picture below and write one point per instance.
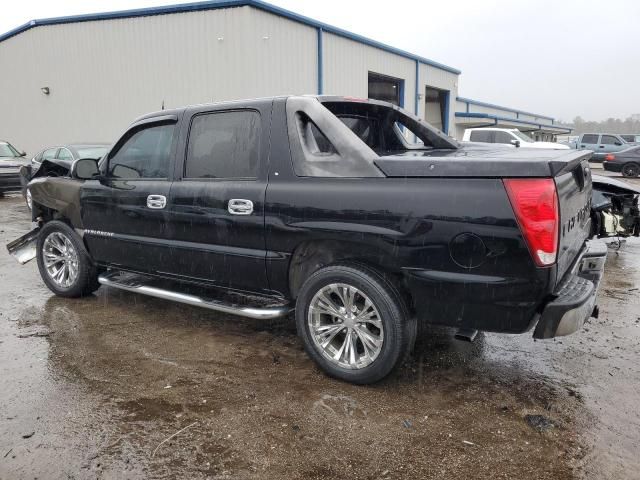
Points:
(590, 139)
(484, 136)
(145, 153)
(224, 145)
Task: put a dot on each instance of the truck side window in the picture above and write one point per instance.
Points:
(49, 154)
(145, 154)
(609, 140)
(589, 138)
(483, 136)
(224, 145)
(503, 137)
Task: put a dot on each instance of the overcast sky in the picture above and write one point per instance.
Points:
(560, 58)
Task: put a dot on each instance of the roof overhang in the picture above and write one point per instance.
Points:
(476, 119)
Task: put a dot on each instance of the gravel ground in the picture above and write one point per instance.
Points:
(123, 386)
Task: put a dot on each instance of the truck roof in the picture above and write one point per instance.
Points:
(248, 102)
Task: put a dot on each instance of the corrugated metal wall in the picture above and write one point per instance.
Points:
(103, 74)
(347, 64)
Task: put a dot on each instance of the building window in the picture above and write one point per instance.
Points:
(436, 107)
(388, 89)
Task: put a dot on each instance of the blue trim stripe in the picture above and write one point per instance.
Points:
(498, 107)
(416, 104)
(215, 4)
(447, 102)
(497, 118)
(320, 63)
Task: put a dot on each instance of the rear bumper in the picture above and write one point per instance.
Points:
(612, 166)
(575, 298)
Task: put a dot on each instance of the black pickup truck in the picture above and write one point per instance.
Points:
(355, 213)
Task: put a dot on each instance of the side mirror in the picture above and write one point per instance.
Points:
(23, 153)
(85, 169)
(515, 143)
(618, 144)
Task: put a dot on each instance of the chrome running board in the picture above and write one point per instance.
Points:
(154, 287)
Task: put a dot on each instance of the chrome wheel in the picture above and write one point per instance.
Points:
(29, 200)
(60, 259)
(345, 326)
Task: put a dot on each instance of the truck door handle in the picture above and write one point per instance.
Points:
(240, 206)
(601, 146)
(156, 202)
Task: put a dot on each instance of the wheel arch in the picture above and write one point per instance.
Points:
(311, 256)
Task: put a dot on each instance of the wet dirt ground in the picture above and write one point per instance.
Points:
(124, 386)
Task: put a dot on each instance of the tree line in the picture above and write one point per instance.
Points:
(610, 125)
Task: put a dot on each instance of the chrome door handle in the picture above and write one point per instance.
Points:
(156, 202)
(240, 206)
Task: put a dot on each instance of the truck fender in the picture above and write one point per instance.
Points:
(56, 197)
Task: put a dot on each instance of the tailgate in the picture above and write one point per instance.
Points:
(573, 184)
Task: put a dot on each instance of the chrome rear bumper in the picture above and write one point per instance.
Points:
(575, 299)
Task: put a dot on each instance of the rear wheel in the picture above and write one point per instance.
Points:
(353, 323)
(65, 265)
(631, 170)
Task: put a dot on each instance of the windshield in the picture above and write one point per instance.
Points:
(7, 150)
(91, 152)
(522, 136)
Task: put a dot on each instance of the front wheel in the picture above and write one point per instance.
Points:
(631, 170)
(353, 323)
(65, 265)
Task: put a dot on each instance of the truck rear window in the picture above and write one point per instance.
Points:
(387, 130)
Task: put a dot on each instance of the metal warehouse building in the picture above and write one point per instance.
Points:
(85, 78)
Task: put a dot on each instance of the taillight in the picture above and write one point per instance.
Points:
(535, 203)
(609, 157)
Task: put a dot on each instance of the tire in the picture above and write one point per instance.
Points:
(28, 199)
(631, 170)
(359, 363)
(59, 240)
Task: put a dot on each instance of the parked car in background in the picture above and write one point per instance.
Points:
(625, 161)
(65, 155)
(57, 161)
(11, 160)
(631, 138)
(601, 144)
(507, 136)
